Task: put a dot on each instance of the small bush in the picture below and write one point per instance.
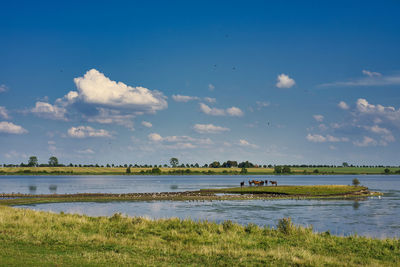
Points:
(316, 171)
(227, 225)
(285, 226)
(356, 182)
(250, 228)
(387, 171)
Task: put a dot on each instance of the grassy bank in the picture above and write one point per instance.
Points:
(246, 193)
(45, 239)
(303, 190)
(185, 171)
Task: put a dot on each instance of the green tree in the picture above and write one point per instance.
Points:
(243, 170)
(128, 170)
(53, 161)
(387, 171)
(345, 164)
(278, 169)
(215, 164)
(286, 169)
(33, 161)
(356, 182)
(174, 162)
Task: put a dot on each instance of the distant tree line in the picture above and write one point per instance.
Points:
(174, 163)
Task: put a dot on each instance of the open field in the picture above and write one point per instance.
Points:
(32, 238)
(186, 171)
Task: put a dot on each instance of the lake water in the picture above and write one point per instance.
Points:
(376, 217)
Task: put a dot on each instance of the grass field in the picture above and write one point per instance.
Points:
(32, 238)
(227, 171)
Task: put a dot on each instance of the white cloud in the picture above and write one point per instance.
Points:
(184, 98)
(155, 137)
(211, 87)
(318, 118)
(3, 88)
(371, 79)
(371, 73)
(147, 124)
(317, 138)
(85, 151)
(245, 143)
(108, 116)
(49, 111)
(87, 131)
(4, 113)
(95, 88)
(234, 111)
(209, 128)
(343, 105)
(284, 81)
(367, 141)
(11, 128)
(211, 111)
(210, 99)
(178, 142)
(15, 154)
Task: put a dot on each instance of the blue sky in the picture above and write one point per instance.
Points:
(141, 82)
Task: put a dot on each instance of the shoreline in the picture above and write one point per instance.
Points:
(200, 195)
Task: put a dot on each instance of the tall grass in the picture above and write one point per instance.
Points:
(32, 238)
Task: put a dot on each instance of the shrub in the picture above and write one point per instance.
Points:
(356, 182)
(285, 225)
(227, 225)
(128, 170)
(387, 171)
(316, 171)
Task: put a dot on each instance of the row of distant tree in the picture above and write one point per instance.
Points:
(174, 162)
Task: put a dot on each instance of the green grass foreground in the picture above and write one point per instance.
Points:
(33, 238)
(186, 171)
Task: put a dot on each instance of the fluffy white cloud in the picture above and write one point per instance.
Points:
(245, 143)
(87, 131)
(11, 128)
(4, 113)
(155, 137)
(343, 105)
(317, 138)
(211, 111)
(211, 87)
(371, 73)
(209, 128)
(184, 98)
(318, 118)
(147, 124)
(178, 142)
(367, 141)
(232, 111)
(284, 81)
(95, 88)
(49, 111)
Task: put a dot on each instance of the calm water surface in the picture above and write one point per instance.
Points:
(373, 217)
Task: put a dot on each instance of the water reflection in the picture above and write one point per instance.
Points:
(32, 189)
(356, 205)
(53, 188)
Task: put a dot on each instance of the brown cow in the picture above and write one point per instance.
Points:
(274, 183)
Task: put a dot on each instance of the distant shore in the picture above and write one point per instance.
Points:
(194, 171)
